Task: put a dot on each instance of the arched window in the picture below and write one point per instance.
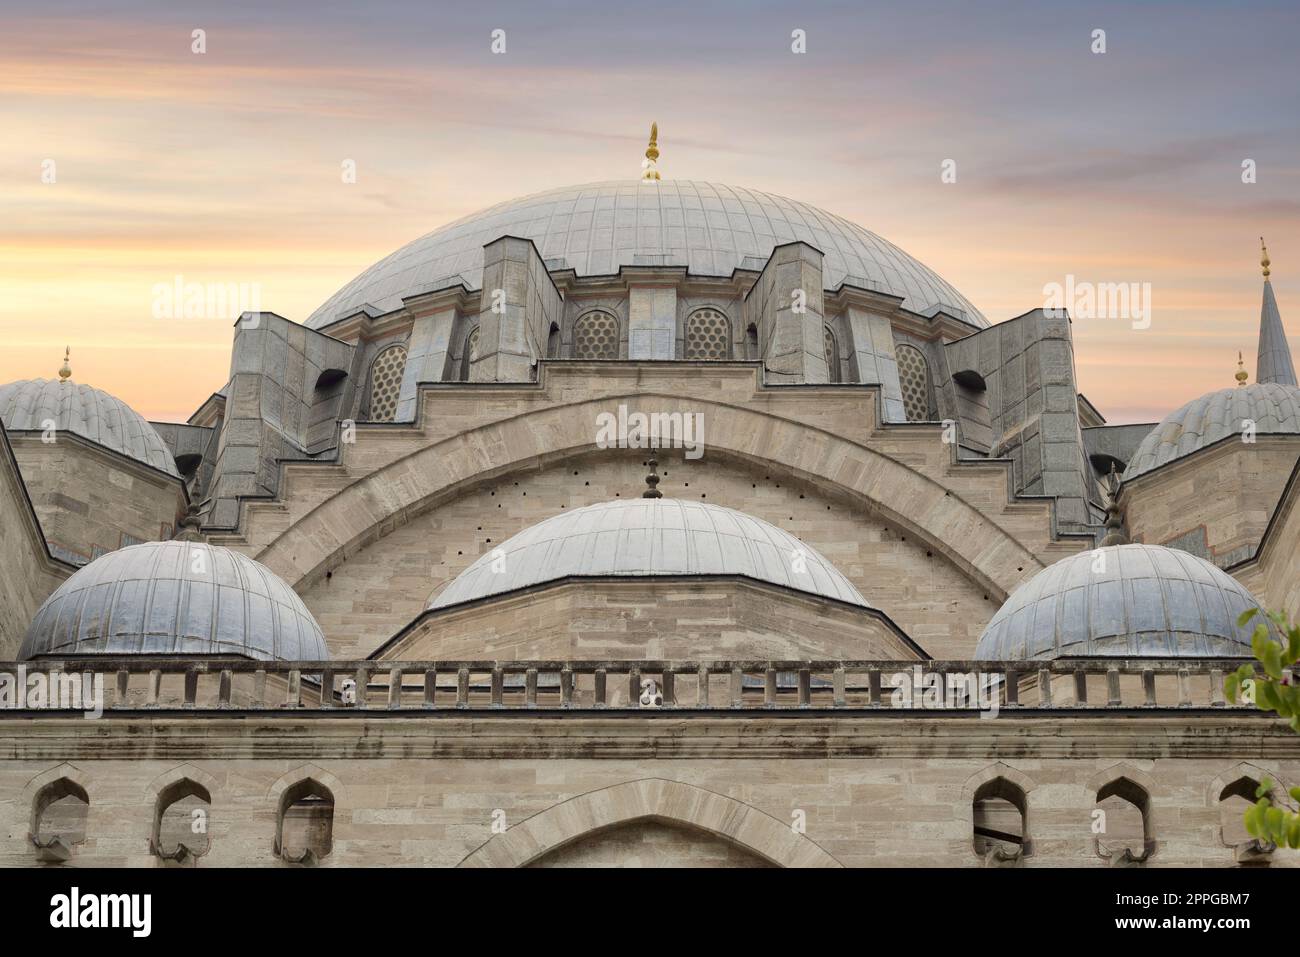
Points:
(1123, 826)
(386, 383)
(832, 355)
(304, 832)
(59, 820)
(1234, 800)
(595, 336)
(914, 377)
(751, 342)
(553, 342)
(708, 335)
(180, 824)
(999, 809)
(471, 353)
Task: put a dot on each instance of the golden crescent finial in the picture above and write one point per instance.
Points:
(1264, 261)
(1242, 375)
(65, 371)
(650, 172)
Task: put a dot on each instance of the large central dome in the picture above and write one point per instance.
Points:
(595, 229)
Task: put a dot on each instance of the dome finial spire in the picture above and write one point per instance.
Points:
(1242, 375)
(652, 480)
(1264, 259)
(650, 171)
(65, 370)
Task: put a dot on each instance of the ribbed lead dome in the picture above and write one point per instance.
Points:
(90, 413)
(175, 598)
(647, 537)
(1122, 601)
(1273, 409)
(595, 229)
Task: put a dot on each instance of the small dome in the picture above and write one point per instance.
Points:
(90, 413)
(1272, 407)
(597, 229)
(645, 537)
(175, 598)
(1122, 601)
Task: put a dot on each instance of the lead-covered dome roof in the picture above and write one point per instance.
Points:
(1122, 601)
(175, 598)
(595, 229)
(29, 405)
(1273, 408)
(648, 537)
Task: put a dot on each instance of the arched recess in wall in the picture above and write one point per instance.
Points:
(60, 810)
(553, 342)
(832, 355)
(917, 386)
(595, 336)
(469, 354)
(650, 799)
(751, 343)
(708, 335)
(386, 383)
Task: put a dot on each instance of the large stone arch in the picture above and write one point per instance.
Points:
(655, 799)
(379, 501)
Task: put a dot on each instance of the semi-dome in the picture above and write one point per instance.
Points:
(1122, 601)
(595, 229)
(175, 598)
(91, 413)
(1272, 407)
(647, 537)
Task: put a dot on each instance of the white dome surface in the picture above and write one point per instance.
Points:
(646, 537)
(90, 413)
(1273, 408)
(1146, 600)
(598, 228)
(175, 598)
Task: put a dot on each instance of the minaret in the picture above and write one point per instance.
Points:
(649, 169)
(1274, 362)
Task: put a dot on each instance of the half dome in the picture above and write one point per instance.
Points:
(641, 537)
(1272, 407)
(595, 229)
(175, 598)
(29, 405)
(1122, 601)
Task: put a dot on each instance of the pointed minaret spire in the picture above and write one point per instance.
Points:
(649, 169)
(1274, 362)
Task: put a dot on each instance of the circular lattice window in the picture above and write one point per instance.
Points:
(708, 335)
(595, 336)
(386, 383)
(914, 378)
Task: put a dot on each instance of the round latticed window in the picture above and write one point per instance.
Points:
(708, 335)
(595, 336)
(386, 383)
(914, 378)
(832, 355)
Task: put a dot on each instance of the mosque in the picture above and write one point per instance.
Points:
(393, 596)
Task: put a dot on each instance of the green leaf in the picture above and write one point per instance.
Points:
(1247, 615)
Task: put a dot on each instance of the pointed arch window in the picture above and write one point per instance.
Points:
(708, 335)
(595, 336)
(470, 354)
(386, 383)
(914, 378)
(832, 355)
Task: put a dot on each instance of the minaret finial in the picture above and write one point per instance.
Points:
(649, 171)
(1242, 375)
(652, 480)
(1264, 260)
(65, 371)
(1114, 513)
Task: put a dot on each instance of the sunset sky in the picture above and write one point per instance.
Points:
(224, 167)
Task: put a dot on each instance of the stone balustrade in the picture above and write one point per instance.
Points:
(715, 686)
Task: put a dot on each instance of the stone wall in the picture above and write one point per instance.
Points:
(505, 790)
(666, 619)
(29, 574)
(90, 501)
(384, 585)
